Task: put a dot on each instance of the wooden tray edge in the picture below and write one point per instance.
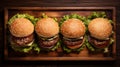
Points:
(59, 8)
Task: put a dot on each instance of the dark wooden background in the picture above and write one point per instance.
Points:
(59, 3)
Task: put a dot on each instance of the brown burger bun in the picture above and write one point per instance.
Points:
(21, 27)
(100, 28)
(47, 27)
(72, 28)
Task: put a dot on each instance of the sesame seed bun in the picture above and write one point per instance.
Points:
(100, 28)
(21, 27)
(72, 28)
(47, 27)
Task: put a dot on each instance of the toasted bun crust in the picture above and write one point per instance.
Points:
(21, 27)
(47, 27)
(100, 28)
(73, 28)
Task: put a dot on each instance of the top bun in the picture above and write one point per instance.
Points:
(47, 27)
(72, 28)
(100, 28)
(21, 27)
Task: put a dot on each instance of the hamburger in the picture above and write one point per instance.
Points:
(100, 33)
(47, 30)
(21, 33)
(73, 34)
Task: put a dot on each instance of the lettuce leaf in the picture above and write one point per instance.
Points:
(36, 47)
(44, 15)
(29, 17)
(66, 17)
(22, 49)
(93, 16)
(110, 43)
(97, 15)
(111, 40)
(88, 45)
(26, 49)
(68, 50)
(56, 46)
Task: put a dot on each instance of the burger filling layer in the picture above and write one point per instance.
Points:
(22, 41)
(71, 42)
(99, 43)
(48, 42)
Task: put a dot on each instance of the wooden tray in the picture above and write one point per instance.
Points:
(57, 12)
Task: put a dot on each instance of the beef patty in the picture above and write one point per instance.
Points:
(98, 43)
(22, 41)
